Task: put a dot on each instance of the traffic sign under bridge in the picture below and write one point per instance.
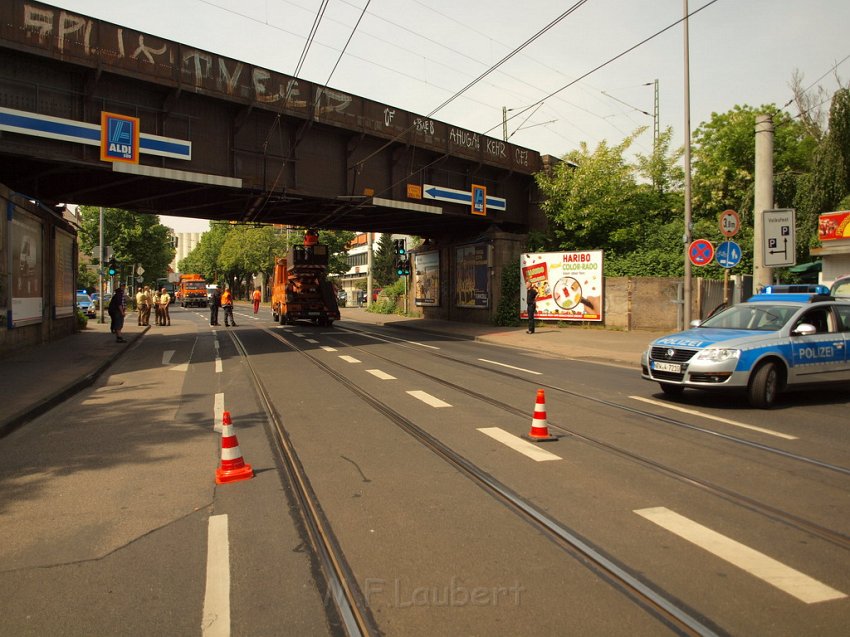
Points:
(728, 254)
(780, 243)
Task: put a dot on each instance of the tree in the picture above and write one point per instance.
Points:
(136, 239)
(383, 264)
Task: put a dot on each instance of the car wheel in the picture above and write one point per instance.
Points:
(764, 386)
(672, 390)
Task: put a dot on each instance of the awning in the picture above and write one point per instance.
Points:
(806, 268)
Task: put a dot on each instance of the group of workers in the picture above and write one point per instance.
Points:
(224, 300)
(159, 300)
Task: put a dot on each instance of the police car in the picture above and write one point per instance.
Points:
(774, 341)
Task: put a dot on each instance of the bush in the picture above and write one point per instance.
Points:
(388, 299)
(82, 320)
(507, 314)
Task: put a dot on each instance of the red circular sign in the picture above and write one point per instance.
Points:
(730, 223)
(701, 252)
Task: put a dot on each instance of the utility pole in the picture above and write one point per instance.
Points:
(505, 123)
(100, 268)
(686, 309)
(368, 269)
(656, 126)
(763, 199)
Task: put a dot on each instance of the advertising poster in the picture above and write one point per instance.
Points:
(27, 245)
(472, 284)
(569, 285)
(834, 225)
(64, 292)
(426, 278)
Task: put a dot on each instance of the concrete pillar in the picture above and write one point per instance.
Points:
(763, 198)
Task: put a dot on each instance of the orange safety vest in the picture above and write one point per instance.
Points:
(226, 298)
(257, 296)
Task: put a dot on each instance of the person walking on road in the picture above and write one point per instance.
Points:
(215, 303)
(117, 311)
(531, 304)
(257, 297)
(164, 301)
(227, 304)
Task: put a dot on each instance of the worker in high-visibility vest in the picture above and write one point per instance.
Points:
(227, 305)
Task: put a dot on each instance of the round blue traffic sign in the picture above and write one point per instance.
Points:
(701, 252)
(728, 254)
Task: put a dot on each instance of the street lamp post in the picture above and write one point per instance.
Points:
(686, 310)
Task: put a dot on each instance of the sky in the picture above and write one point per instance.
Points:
(417, 54)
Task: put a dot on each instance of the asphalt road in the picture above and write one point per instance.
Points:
(741, 517)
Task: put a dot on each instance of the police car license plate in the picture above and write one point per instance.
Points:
(666, 367)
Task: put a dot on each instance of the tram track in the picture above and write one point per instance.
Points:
(789, 519)
(667, 609)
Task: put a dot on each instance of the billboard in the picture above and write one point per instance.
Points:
(569, 285)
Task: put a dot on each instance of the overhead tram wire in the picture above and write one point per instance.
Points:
(604, 64)
(448, 101)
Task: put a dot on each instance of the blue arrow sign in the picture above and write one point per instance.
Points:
(460, 196)
(728, 254)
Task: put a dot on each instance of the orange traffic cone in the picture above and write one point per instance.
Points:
(539, 429)
(232, 468)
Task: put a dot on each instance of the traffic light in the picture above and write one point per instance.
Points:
(400, 247)
(112, 268)
(402, 267)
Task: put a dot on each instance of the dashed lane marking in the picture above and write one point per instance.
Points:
(167, 355)
(519, 369)
(518, 444)
(216, 617)
(349, 359)
(218, 411)
(379, 374)
(328, 348)
(428, 399)
(726, 421)
(775, 573)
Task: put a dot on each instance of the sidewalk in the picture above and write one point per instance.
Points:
(35, 379)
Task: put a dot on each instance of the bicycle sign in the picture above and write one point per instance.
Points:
(728, 254)
(701, 252)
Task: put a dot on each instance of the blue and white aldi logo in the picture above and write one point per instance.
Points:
(119, 138)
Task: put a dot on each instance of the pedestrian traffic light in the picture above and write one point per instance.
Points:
(112, 268)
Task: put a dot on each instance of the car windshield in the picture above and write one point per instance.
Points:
(766, 317)
(83, 298)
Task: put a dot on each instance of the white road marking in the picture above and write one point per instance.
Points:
(299, 334)
(349, 359)
(428, 399)
(216, 617)
(419, 344)
(311, 340)
(167, 355)
(328, 348)
(218, 411)
(775, 573)
(380, 374)
(519, 369)
(218, 367)
(518, 444)
(726, 421)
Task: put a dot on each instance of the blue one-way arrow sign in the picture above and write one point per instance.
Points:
(451, 195)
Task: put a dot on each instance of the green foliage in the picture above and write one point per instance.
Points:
(507, 312)
(135, 239)
(82, 319)
(383, 263)
(391, 299)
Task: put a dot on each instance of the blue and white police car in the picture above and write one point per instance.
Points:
(773, 342)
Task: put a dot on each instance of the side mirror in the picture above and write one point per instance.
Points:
(804, 329)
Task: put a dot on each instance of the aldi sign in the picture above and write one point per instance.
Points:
(119, 138)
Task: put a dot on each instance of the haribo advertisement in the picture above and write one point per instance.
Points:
(569, 285)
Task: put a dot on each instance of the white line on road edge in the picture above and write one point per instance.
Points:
(785, 578)
(380, 374)
(734, 423)
(518, 444)
(216, 619)
(419, 344)
(349, 359)
(428, 399)
(218, 412)
(519, 369)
